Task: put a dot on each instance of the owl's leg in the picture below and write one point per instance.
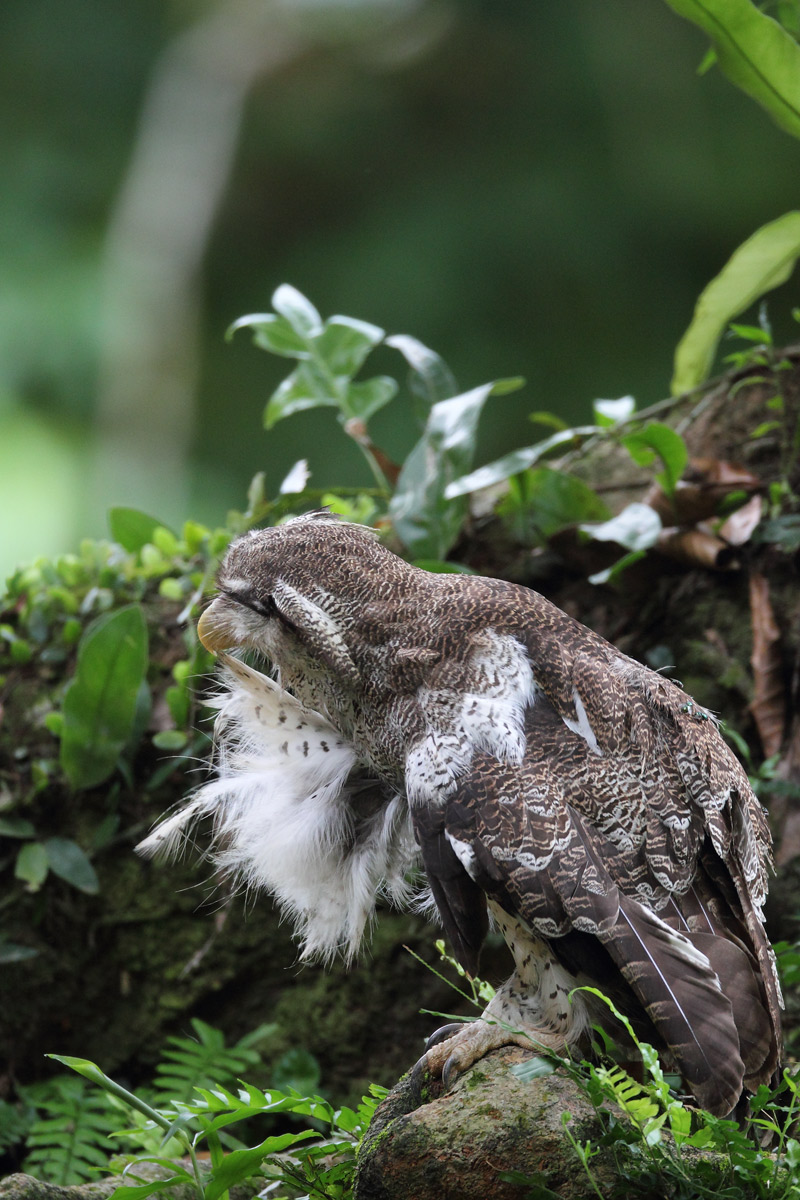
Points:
(533, 1009)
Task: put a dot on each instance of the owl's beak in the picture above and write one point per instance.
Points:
(213, 629)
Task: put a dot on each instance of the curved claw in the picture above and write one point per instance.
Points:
(442, 1034)
(449, 1072)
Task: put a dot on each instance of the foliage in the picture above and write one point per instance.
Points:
(764, 261)
(754, 51)
(187, 1110)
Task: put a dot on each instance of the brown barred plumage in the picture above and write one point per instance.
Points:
(584, 798)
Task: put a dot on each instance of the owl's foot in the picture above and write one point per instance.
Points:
(453, 1049)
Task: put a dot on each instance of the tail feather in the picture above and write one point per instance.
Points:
(681, 993)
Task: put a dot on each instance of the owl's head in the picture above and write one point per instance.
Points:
(291, 588)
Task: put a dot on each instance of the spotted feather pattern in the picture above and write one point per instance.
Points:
(583, 797)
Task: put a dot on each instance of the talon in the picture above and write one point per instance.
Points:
(417, 1077)
(441, 1035)
(449, 1072)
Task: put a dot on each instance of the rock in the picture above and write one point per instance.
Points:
(455, 1146)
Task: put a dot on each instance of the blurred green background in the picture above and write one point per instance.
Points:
(529, 188)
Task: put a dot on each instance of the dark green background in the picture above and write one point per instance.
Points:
(538, 189)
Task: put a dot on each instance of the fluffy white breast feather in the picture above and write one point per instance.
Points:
(282, 820)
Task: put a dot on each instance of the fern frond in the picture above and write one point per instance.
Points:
(68, 1142)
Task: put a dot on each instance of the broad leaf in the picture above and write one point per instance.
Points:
(364, 399)
(31, 865)
(242, 1164)
(755, 53)
(131, 528)
(517, 460)
(657, 440)
(555, 500)
(100, 702)
(306, 387)
(345, 343)
(611, 412)
(426, 521)
(296, 480)
(761, 263)
(16, 827)
(68, 861)
(636, 528)
(298, 311)
(430, 378)
(272, 333)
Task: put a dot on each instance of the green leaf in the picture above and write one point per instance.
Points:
(31, 865)
(306, 387)
(272, 333)
(68, 861)
(533, 1068)
(364, 399)
(518, 460)
(345, 343)
(241, 1164)
(761, 263)
(297, 1069)
(100, 703)
(11, 952)
(755, 53)
(16, 827)
(636, 528)
(424, 519)
(615, 570)
(610, 412)
(555, 500)
(131, 528)
(430, 378)
(659, 440)
(298, 311)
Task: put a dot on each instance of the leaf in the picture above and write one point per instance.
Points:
(761, 263)
(131, 528)
(430, 379)
(365, 399)
(555, 500)
(31, 865)
(755, 53)
(16, 827)
(533, 1068)
(517, 460)
(241, 1164)
(272, 333)
(296, 480)
(305, 388)
(636, 528)
(610, 412)
(100, 702)
(298, 1069)
(68, 861)
(11, 952)
(768, 705)
(298, 311)
(419, 509)
(669, 446)
(345, 343)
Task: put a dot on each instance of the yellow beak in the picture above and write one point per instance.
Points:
(212, 628)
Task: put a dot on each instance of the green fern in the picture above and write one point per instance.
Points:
(67, 1142)
(204, 1061)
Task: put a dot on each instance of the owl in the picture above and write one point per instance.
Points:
(541, 781)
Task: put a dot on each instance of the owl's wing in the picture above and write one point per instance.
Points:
(597, 843)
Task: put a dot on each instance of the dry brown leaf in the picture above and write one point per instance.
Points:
(768, 705)
(697, 547)
(739, 526)
(706, 482)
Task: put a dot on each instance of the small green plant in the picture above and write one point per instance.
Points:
(318, 1159)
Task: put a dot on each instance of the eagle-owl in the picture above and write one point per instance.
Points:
(541, 779)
